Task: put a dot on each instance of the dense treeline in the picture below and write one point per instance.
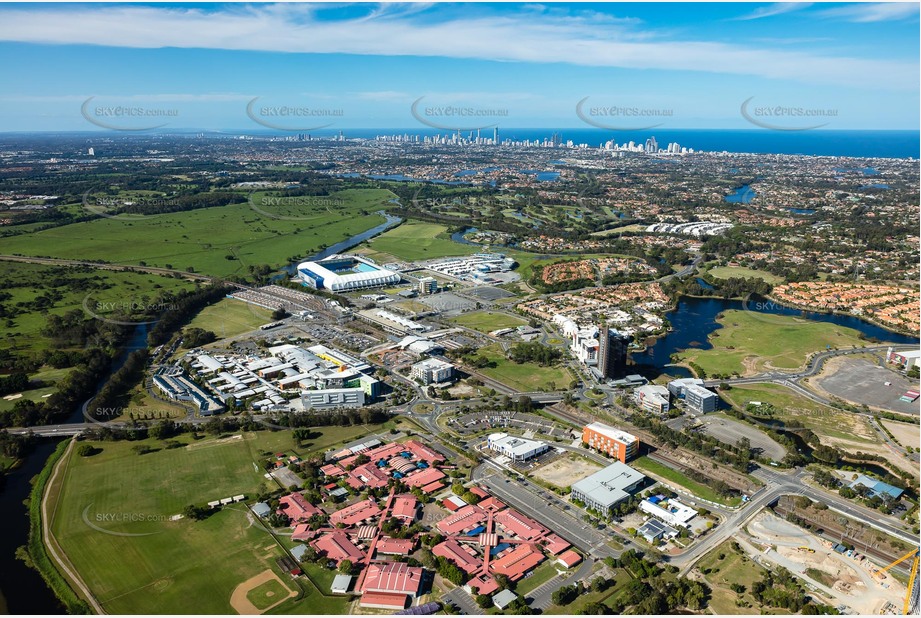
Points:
(737, 456)
(115, 391)
(534, 352)
(182, 307)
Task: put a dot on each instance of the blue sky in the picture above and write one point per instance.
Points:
(517, 65)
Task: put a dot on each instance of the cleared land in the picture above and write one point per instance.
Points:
(749, 343)
(907, 435)
(677, 478)
(862, 381)
(415, 240)
(229, 318)
(725, 272)
(488, 321)
(526, 377)
(723, 567)
(564, 471)
(219, 241)
(165, 571)
(730, 431)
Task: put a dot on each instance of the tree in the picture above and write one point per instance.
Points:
(86, 450)
(195, 513)
(484, 601)
(345, 567)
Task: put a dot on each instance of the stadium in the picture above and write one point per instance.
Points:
(342, 273)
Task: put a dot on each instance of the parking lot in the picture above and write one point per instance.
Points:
(861, 381)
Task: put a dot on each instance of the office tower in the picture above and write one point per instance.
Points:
(612, 353)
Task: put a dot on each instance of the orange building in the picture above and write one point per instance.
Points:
(610, 441)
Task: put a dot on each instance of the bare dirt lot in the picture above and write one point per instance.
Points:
(729, 431)
(566, 470)
(907, 435)
(861, 381)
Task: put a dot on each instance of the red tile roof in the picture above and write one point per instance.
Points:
(355, 513)
(332, 470)
(302, 532)
(370, 475)
(459, 555)
(297, 507)
(392, 577)
(491, 504)
(398, 547)
(479, 491)
(518, 562)
(519, 525)
(432, 487)
(466, 518)
(485, 584)
(423, 452)
(570, 558)
(556, 544)
(338, 546)
(383, 600)
(404, 507)
(424, 477)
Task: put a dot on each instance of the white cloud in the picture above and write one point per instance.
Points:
(778, 8)
(525, 37)
(873, 12)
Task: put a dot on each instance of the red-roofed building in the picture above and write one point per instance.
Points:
(479, 492)
(485, 584)
(395, 577)
(384, 600)
(370, 475)
(332, 470)
(519, 525)
(461, 555)
(466, 518)
(354, 483)
(491, 504)
(302, 532)
(569, 559)
(422, 452)
(453, 503)
(556, 544)
(385, 451)
(405, 507)
(395, 547)
(401, 465)
(348, 461)
(424, 477)
(516, 563)
(296, 507)
(432, 487)
(356, 513)
(337, 545)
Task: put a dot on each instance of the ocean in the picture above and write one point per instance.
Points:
(866, 144)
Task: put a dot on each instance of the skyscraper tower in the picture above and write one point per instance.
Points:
(495, 136)
(612, 353)
(651, 145)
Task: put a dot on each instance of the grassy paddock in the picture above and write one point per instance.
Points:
(175, 566)
(229, 318)
(725, 272)
(673, 476)
(526, 377)
(415, 240)
(488, 321)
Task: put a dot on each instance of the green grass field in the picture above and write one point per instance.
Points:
(673, 476)
(415, 240)
(540, 575)
(823, 420)
(70, 289)
(203, 239)
(733, 568)
(229, 317)
(179, 566)
(265, 595)
(488, 321)
(751, 342)
(526, 377)
(725, 272)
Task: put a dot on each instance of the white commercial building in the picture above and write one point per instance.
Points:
(341, 273)
(432, 371)
(652, 397)
(604, 489)
(515, 448)
(699, 399)
(672, 512)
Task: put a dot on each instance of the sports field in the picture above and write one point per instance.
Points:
(723, 567)
(415, 240)
(751, 342)
(725, 272)
(217, 241)
(488, 321)
(229, 317)
(171, 566)
(526, 377)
